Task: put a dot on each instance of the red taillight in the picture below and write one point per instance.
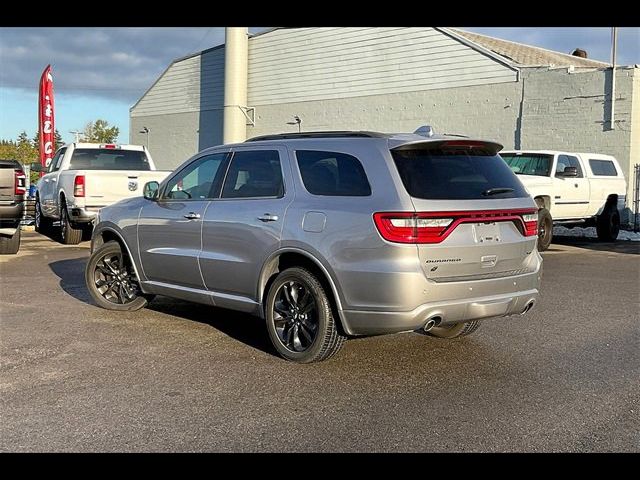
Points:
(434, 227)
(530, 224)
(20, 182)
(109, 145)
(78, 186)
(411, 227)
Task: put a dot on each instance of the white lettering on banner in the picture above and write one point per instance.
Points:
(48, 148)
(47, 110)
(47, 162)
(47, 126)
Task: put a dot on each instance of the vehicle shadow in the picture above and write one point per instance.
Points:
(620, 246)
(71, 275)
(245, 328)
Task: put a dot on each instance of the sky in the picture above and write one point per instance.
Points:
(102, 72)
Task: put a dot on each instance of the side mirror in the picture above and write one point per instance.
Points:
(570, 172)
(150, 190)
(37, 167)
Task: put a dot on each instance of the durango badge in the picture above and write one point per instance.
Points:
(133, 185)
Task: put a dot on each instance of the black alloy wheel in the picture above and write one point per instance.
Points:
(111, 280)
(295, 316)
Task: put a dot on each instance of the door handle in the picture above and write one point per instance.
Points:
(267, 217)
(192, 216)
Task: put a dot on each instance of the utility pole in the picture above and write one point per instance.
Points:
(77, 133)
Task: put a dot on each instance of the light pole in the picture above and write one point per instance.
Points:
(146, 130)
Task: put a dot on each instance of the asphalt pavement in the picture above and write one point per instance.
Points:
(185, 377)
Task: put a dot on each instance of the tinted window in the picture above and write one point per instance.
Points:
(332, 174)
(108, 159)
(529, 163)
(604, 168)
(454, 174)
(568, 161)
(254, 174)
(56, 161)
(197, 181)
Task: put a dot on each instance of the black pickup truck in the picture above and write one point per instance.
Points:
(12, 191)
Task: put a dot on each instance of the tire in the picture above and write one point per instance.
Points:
(608, 224)
(43, 224)
(300, 319)
(69, 235)
(455, 331)
(545, 229)
(10, 245)
(105, 269)
(87, 231)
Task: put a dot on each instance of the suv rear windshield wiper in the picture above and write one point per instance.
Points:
(495, 191)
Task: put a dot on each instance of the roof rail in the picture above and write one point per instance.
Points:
(329, 134)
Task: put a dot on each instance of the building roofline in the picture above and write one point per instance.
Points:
(479, 48)
(195, 54)
(455, 31)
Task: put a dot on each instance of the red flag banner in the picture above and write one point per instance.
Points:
(46, 125)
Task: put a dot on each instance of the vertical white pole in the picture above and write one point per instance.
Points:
(236, 53)
(614, 41)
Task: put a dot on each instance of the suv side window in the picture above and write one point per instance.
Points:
(568, 161)
(197, 181)
(332, 174)
(57, 160)
(255, 173)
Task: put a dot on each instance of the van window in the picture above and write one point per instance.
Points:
(456, 174)
(604, 168)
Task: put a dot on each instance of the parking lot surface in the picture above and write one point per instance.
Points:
(185, 377)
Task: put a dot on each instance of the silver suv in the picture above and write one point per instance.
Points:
(329, 235)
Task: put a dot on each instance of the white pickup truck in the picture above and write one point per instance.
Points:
(84, 177)
(571, 189)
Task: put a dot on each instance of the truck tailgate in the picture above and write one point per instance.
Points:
(7, 182)
(104, 187)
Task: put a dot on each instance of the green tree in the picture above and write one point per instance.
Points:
(25, 151)
(100, 132)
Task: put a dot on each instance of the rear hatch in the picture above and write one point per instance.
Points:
(473, 218)
(111, 173)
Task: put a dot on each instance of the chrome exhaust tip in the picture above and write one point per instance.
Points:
(528, 306)
(432, 322)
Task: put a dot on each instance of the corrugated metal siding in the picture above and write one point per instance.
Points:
(302, 64)
(189, 85)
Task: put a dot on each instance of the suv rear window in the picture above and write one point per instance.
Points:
(456, 174)
(332, 174)
(108, 159)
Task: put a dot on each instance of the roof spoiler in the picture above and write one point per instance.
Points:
(457, 143)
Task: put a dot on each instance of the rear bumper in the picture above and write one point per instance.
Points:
(83, 215)
(10, 215)
(494, 298)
